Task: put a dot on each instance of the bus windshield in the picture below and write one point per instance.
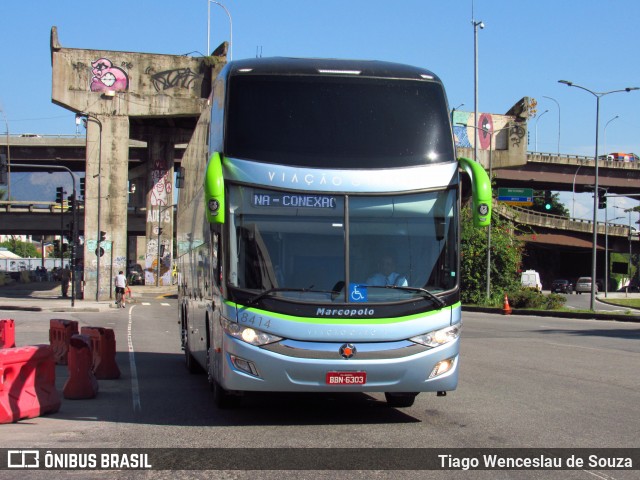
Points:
(320, 247)
(337, 122)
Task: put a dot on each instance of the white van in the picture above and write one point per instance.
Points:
(531, 279)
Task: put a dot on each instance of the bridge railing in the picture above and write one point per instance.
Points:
(31, 206)
(558, 222)
(579, 160)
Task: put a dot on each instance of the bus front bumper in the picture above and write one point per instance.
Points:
(248, 368)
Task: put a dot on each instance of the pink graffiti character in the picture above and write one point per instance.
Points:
(106, 77)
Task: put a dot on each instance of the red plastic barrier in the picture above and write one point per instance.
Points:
(103, 342)
(60, 333)
(28, 383)
(82, 383)
(7, 333)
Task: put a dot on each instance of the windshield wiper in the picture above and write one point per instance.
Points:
(437, 300)
(261, 295)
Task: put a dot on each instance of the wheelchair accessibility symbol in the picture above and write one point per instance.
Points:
(357, 293)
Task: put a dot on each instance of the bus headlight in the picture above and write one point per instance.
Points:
(249, 335)
(439, 337)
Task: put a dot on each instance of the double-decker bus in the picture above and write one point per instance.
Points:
(319, 247)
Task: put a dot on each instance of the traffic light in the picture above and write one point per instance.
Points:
(103, 236)
(547, 200)
(59, 195)
(602, 200)
(82, 187)
(71, 201)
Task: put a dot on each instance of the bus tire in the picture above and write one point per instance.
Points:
(400, 399)
(222, 398)
(189, 361)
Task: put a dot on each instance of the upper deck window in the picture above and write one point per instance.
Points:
(337, 121)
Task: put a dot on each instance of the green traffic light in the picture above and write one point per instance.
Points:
(547, 206)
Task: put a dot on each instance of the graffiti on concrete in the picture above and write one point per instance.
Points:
(489, 130)
(158, 254)
(158, 260)
(161, 184)
(177, 78)
(107, 77)
(516, 134)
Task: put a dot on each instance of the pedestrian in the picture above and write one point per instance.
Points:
(65, 278)
(121, 284)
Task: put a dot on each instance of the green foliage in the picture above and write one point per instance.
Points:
(506, 258)
(527, 298)
(23, 249)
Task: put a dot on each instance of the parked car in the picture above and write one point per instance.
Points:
(562, 286)
(583, 285)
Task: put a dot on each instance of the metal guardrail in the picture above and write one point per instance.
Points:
(20, 206)
(545, 157)
(36, 206)
(547, 220)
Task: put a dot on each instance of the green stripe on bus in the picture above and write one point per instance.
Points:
(341, 320)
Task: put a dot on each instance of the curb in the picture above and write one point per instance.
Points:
(551, 313)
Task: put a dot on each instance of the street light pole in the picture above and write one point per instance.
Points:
(595, 189)
(209, 2)
(551, 98)
(573, 190)
(605, 132)
(475, 82)
(6, 123)
(537, 119)
(95, 119)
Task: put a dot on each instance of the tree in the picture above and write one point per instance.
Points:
(506, 258)
(24, 249)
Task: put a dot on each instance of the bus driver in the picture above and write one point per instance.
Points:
(387, 275)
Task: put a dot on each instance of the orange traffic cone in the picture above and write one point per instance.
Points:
(506, 309)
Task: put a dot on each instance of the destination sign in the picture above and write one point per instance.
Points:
(295, 200)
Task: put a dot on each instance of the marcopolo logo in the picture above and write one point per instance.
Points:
(345, 312)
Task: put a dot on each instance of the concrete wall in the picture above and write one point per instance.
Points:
(150, 97)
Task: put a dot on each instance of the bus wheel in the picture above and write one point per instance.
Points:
(190, 362)
(400, 399)
(222, 398)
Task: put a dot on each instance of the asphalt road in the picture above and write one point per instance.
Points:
(531, 382)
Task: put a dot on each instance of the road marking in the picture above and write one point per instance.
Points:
(165, 304)
(135, 391)
(146, 304)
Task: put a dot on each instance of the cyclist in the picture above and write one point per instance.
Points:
(121, 284)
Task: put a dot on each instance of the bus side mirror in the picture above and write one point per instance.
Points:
(214, 203)
(481, 188)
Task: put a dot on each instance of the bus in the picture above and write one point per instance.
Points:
(318, 245)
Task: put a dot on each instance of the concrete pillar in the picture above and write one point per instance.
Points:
(159, 229)
(105, 203)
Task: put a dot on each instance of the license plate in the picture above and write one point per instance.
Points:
(346, 378)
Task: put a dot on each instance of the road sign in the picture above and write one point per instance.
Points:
(516, 196)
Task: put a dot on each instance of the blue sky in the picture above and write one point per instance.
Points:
(524, 49)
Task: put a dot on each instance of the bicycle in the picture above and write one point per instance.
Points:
(120, 297)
